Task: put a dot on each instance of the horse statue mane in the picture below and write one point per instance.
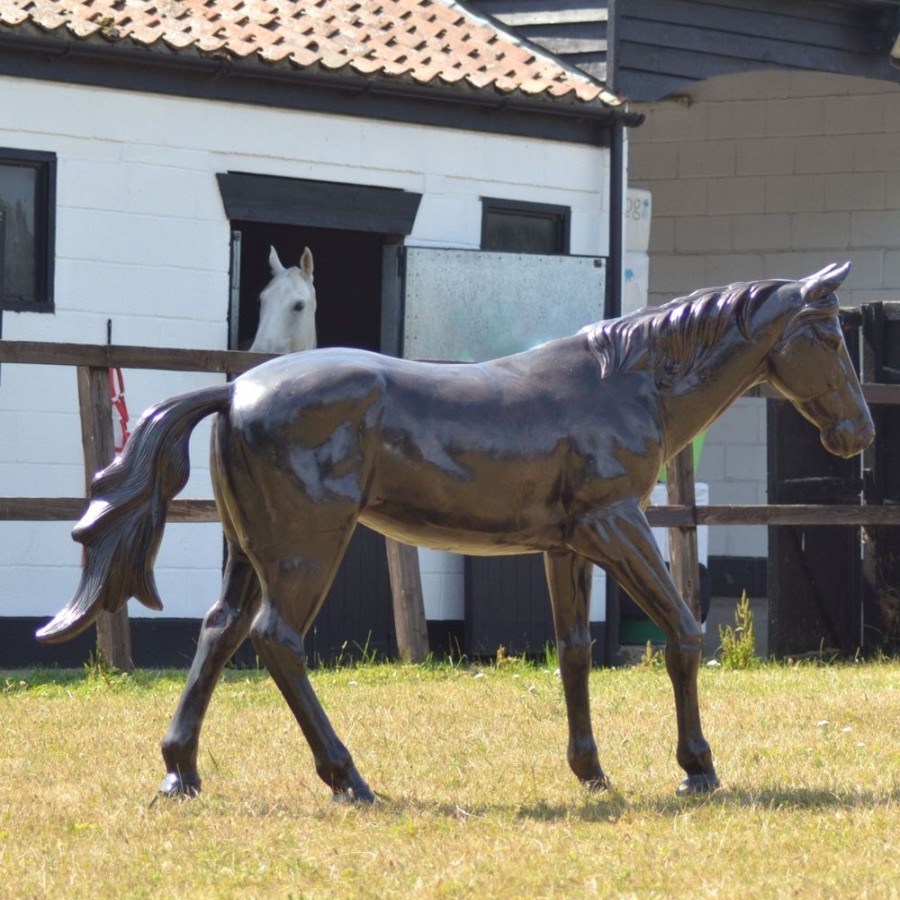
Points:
(676, 338)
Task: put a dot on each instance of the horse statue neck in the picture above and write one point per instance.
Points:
(694, 402)
(702, 351)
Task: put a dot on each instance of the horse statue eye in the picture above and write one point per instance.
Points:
(299, 306)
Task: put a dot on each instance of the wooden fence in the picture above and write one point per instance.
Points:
(93, 362)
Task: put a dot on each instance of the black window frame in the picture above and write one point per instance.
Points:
(44, 165)
(561, 216)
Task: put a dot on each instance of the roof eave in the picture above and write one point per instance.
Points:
(26, 51)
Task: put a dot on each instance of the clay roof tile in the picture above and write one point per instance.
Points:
(430, 41)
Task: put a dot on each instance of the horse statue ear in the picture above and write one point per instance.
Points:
(306, 261)
(825, 282)
(274, 262)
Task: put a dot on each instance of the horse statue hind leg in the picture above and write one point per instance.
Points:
(278, 637)
(291, 599)
(280, 585)
(224, 629)
(287, 324)
(295, 521)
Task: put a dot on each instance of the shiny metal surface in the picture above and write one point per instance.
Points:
(554, 450)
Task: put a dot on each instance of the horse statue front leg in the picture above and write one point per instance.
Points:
(620, 540)
(569, 582)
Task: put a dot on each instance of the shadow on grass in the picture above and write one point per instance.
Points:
(609, 808)
(606, 808)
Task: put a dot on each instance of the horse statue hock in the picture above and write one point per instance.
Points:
(554, 451)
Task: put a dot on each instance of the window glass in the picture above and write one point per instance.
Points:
(18, 269)
(514, 227)
(27, 217)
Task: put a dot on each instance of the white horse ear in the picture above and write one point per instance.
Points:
(306, 261)
(825, 282)
(274, 262)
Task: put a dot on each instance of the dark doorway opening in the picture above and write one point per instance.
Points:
(347, 276)
(357, 617)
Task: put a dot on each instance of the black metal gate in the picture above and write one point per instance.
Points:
(881, 566)
(508, 605)
(814, 571)
(838, 587)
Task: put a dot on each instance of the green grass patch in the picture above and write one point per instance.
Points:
(476, 797)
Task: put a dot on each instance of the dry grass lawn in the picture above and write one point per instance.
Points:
(476, 797)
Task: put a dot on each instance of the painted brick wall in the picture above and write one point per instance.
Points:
(768, 175)
(142, 240)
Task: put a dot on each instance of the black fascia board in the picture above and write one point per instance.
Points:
(185, 74)
(297, 201)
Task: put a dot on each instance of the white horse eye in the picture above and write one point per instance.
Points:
(299, 306)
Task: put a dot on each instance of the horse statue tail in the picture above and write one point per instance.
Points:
(123, 525)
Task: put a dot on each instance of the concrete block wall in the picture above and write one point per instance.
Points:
(768, 174)
(142, 240)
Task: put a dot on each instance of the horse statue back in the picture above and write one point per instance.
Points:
(553, 451)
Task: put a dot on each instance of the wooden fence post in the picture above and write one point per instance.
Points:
(113, 630)
(683, 562)
(409, 607)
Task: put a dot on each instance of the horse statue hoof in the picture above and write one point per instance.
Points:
(180, 787)
(598, 784)
(698, 785)
(358, 793)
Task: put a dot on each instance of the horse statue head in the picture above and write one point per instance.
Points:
(811, 367)
(705, 349)
(287, 308)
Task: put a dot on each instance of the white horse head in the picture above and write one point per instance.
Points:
(287, 308)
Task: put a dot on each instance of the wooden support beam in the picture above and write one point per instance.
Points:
(409, 607)
(103, 356)
(113, 629)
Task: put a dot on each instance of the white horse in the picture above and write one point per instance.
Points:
(287, 308)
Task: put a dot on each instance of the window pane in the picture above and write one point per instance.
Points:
(18, 263)
(521, 233)
(511, 226)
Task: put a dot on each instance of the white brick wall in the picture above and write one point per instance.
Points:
(762, 175)
(142, 239)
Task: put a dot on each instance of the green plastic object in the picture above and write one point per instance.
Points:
(698, 449)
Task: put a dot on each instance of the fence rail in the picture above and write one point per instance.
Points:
(236, 361)
(64, 509)
(105, 356)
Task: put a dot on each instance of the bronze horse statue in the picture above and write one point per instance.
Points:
(554, 451)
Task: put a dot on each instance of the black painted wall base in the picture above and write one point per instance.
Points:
(170, 644)
(731, 575)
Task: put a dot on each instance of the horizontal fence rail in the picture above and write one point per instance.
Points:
(24, 509)
(123, 356)
(63, 509)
